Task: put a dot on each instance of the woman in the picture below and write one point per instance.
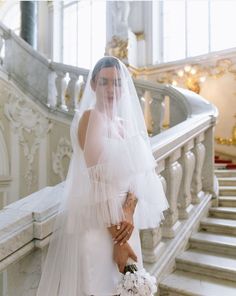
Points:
(110, 193)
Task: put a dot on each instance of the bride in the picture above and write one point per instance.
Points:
(111, 190)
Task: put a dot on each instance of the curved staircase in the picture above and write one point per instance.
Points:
(208, 266)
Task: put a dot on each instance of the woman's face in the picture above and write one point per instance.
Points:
(107, 86)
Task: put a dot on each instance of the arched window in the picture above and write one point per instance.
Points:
(84, 32)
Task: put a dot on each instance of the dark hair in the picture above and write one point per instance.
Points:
(105, 62)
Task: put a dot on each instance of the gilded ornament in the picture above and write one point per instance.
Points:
(228, 141)
(117, 47)
(140, 36)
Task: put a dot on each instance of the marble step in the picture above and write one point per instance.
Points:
(220, 166)
(227, 191)
(225, 173)
(182, 283)
(223, 244)
(227, 201)
(223, 212)
(229, 181)
(211, 264)
(216, 225)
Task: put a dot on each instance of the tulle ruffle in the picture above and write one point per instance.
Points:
(98, 203)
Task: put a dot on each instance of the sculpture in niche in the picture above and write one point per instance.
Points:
(120, 15)
(63, 150)
(118, 45)
(27, 121)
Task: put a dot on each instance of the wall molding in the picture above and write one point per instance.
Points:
(63, 150)
(26, 120)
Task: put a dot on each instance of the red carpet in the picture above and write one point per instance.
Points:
(228, 163)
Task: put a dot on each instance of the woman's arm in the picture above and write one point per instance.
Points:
(122, 232)
(122, 250)
(121, 254)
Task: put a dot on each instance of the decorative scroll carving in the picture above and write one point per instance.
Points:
(191, 76)
(27, 121)
(63, 150)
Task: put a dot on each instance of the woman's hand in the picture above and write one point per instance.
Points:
(123, 232)
(125, 229)
(121, 255)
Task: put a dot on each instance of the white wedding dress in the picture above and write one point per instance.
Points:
(100, 272)
(116, 158)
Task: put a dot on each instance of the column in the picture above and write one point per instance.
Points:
(28, 21)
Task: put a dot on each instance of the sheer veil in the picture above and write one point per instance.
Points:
(111, 156)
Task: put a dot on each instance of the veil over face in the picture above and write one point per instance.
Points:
(111, 156)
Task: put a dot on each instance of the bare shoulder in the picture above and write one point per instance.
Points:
(83, 124)
(82, 128)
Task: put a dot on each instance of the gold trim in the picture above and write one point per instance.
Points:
(117, 47)
(228, 141)
(216, 70)
(140, 36)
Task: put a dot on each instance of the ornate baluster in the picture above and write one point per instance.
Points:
(72, 91)
(173, 175)
(158, 106)
(188, 164)
(152, 246)
(166, 115)
(61, 85)
(199, 152)
(80, 89)
(147, 111)
(208, 166)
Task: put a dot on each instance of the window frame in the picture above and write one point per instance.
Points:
(160, 47)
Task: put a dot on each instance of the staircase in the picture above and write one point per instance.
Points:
(208, 267)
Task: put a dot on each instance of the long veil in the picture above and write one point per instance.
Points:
(111, 154)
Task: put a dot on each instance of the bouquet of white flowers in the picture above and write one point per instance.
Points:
(136, 282)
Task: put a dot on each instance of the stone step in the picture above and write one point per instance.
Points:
(182, 283)
(210, 264)
(223, 212)
(220, 166)
(223, 244)
(227, 201)
(216, 225)
(227, 191)
(225, 173)
(229, 181)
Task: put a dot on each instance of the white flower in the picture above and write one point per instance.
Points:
(139, 283)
